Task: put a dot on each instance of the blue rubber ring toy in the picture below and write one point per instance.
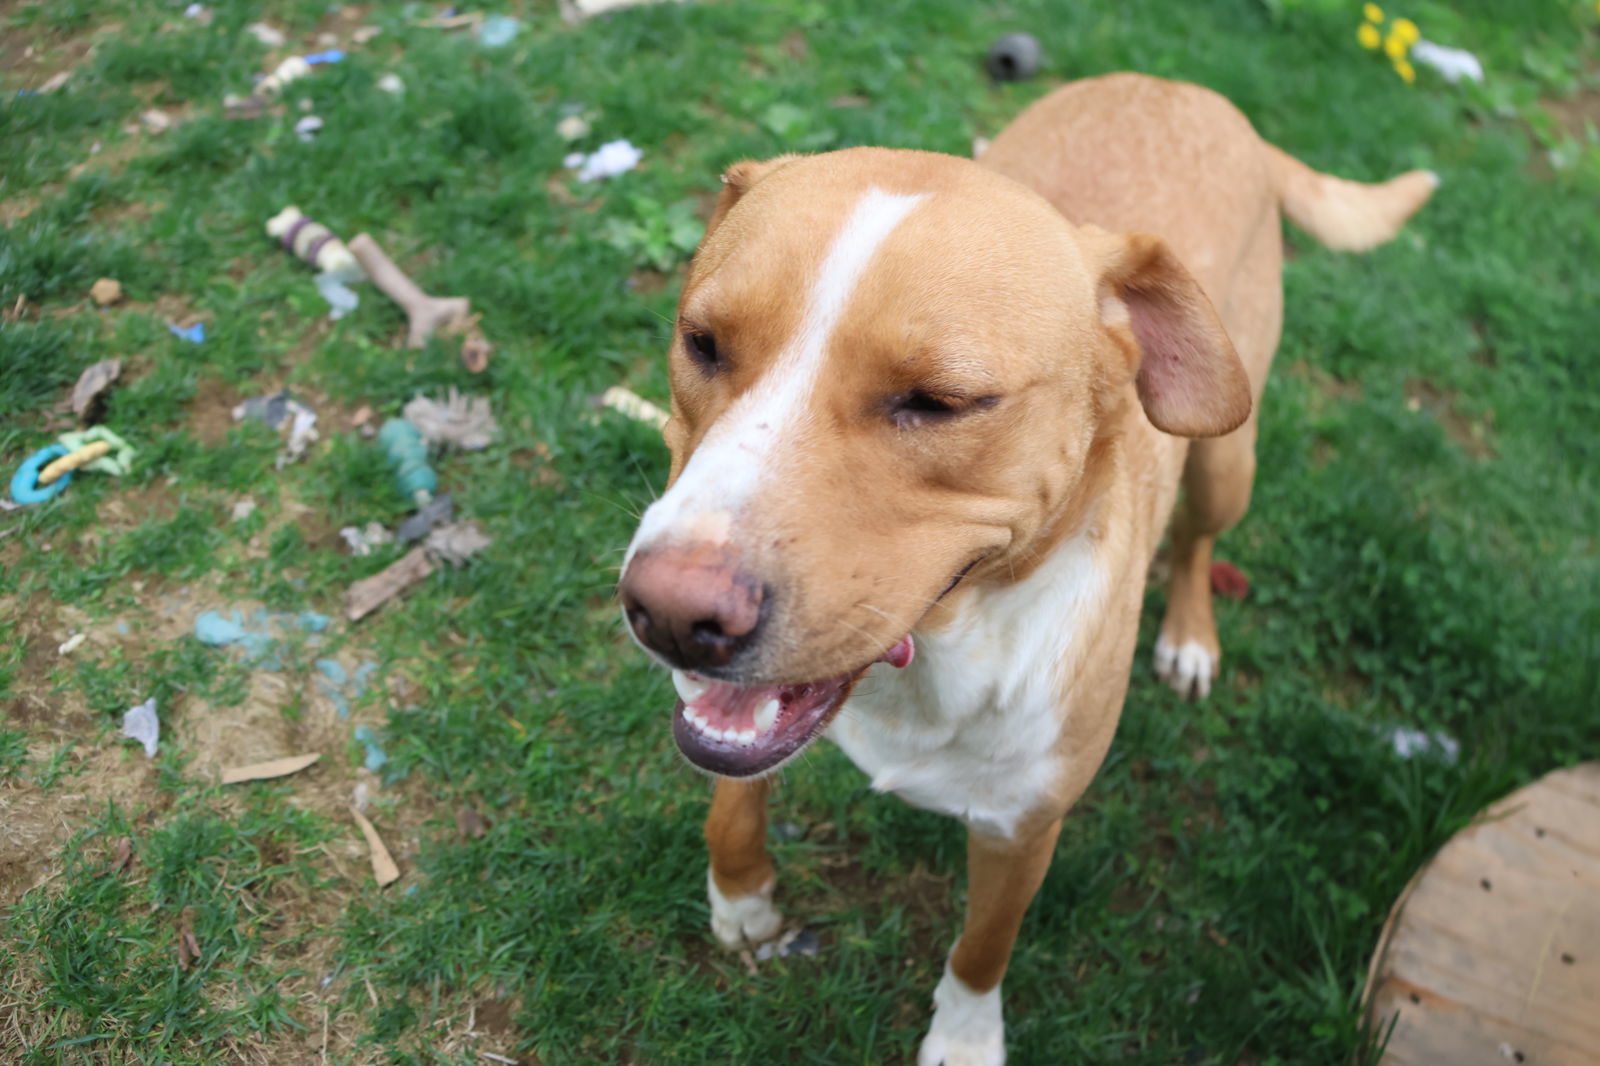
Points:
(25, 487)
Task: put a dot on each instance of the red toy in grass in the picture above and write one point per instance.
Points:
(1228, 580)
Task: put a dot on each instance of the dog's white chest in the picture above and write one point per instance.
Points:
(970, 727)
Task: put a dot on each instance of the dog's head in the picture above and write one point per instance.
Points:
(889, 372)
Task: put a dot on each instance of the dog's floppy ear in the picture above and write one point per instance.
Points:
(1189, 378)
(737, 180)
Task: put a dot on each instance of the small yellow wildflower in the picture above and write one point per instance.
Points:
(1373, 12)
(1394, 47)
(1406, 30)
(1407, 73)
(1368, 36)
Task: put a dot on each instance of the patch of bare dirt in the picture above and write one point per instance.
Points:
(31, 55)
(1473, 436)
(211, 410)
(1573, 116)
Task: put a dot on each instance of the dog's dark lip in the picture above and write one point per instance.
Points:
(963, 572)
(721, 730)
(727, 759)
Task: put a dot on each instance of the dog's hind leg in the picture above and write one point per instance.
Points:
(740, 878)
(1002, 877)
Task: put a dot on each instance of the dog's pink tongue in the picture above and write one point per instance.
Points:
(901, 654)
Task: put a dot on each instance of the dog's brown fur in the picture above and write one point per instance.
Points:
(1033, 277)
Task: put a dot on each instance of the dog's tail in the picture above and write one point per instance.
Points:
(1348, 216)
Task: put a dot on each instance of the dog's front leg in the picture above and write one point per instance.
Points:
(1002, 877)
(740, 878)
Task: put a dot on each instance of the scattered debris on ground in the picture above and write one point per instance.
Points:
(105, 292)
(266, 771)
(457, 542)
(88, 395)
(279, 410)
(440, 509)
(464, 422)
(140, 723)
(384, 870)
(401, 576)
(793, 942)
(607, 161)
(373, 535)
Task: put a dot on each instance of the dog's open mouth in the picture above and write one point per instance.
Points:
(743, 730)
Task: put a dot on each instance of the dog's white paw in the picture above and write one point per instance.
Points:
(744, 921)
(1187, 668)
(967, 1029)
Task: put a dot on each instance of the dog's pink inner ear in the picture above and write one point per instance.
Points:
(1189, 378)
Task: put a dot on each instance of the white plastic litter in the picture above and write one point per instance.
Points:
(302, 433)
(362, 541)
(1453, 64)
(1409, 743)
(71, 644)
(609, 160)
(243, 509)
(391, 83)
(267, 35)
(194, 11)
(342, 299)
(308, 128)
(141, 724)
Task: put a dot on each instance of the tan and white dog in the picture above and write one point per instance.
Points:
(933, 414)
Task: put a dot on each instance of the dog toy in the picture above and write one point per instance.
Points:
(408, 454)
(312, 242)
(48, 471)
(1014, 57)
(426, 314)
(633, 405)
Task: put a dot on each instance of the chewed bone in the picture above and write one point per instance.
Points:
(313, 243)
(427, 314)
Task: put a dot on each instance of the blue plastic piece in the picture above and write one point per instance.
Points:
(313, 621)
(332, 670)
(375, 756)
(25, 487)
(195, 334)
(212, 628)
(332, 55)
(363, 672)
(496, 31)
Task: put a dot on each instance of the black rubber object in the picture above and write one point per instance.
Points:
(1014, 57)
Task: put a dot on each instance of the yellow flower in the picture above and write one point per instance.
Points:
(1394, 47)
(1406, 30)
(1368, 36)
(1407, 73)
(1373, 12)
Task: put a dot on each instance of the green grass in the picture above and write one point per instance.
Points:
(1218, 892)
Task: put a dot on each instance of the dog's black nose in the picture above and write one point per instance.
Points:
(691, 605)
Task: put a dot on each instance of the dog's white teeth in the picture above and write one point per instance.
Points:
(688, 688)
(766, 717)
(747, 736)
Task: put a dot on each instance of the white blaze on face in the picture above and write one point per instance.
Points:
(745, 446)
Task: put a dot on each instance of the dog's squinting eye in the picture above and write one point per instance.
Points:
(918, 408)
(702, 349)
